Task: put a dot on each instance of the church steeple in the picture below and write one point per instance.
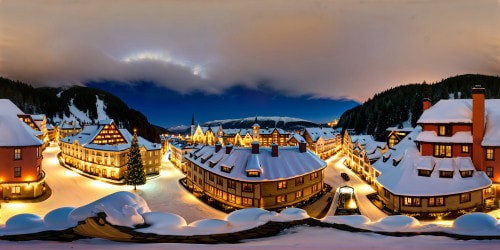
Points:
(192, 125)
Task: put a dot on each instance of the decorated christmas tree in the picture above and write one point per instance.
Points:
(135, 174)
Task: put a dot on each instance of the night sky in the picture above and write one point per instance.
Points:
(169, 108)
(217, 53)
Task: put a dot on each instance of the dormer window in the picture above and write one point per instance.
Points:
(424, 172)
(466, 173)
(253, 173)
(445, 174)
(225, 168)
(444, 130)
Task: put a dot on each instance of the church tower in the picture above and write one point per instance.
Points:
(192, 125)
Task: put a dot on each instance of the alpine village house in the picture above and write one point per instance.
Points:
(265, 177)
(21, 174)
(102, 150)
(449, 162)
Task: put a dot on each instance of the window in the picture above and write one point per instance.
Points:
(247, 187)
(489, 154)
(314, 176)
(282, 184)
(253, 173)
(315, 188)
(225, 169)
(16, 190)
(444, 130)
(465, 149)
(247, 201)
(489, 172)
(17, 172)
(436, 201)
(231, 184)
(218, 192)
(465, 197)
(219, 180)
(299, 181)
(445, 174)
(17, 154)
(442, 150)
(424, 172)
(411, 201)
(211, 177)
(387, 194)
(195, 179)
(280, 198)
(465, 174)
(231, 198)
(299, 194)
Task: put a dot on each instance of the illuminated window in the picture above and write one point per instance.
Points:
(465, 148)
(436, 201)
(280, 198)
(465, 197)
(16, 190)
(253, 173)
(465, 174)
(247, 187)
(299, 194)
(17, 154)
(282, 184)
(299, 181)
(444, 130)
(315, 188)
(247, 201)
(441, 150)
(489, 172)
(411, 201)
(314, 175)
(17, 172)
(489, 154)
(424, 172)
(231, 198)
(445, 174)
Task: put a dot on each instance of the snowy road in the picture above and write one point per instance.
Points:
(361, 189)
(69, 189)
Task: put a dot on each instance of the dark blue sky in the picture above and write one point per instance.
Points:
(169, 108)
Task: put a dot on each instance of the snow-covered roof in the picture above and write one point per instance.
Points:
(368, 142)
(326, 133)
(230, 131)
(297, 137)
(39, 117)
(87, 135)
(448, 111)
(398, 129)
(268, 131)
(69, 125)
(289, 163)
(244, 132)
(403, 179)
(13, 131)
(458, 137)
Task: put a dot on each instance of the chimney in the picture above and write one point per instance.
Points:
(477, 126)
(426, 104)
(229, 147)
(218, 146)
(274, 150)
(302, 147)
(255, 147)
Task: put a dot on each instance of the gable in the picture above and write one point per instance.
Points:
(109, 134)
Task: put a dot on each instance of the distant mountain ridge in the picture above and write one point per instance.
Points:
(397, 105)
(86, 105)
(287, 123)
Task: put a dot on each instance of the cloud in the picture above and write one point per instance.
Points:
(320, 48)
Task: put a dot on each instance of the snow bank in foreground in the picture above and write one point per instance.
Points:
(129, 209)
(476, 224)
(122, 208)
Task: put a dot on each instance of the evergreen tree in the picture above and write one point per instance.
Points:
(135, 174)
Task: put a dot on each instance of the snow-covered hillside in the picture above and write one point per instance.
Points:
(263, 121)
(83, 117)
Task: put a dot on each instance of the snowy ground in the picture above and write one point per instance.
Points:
(295, 238)
(69, 189)
(361, 189)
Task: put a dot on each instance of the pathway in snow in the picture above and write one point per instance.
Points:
(361, 188)
(69, 189)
